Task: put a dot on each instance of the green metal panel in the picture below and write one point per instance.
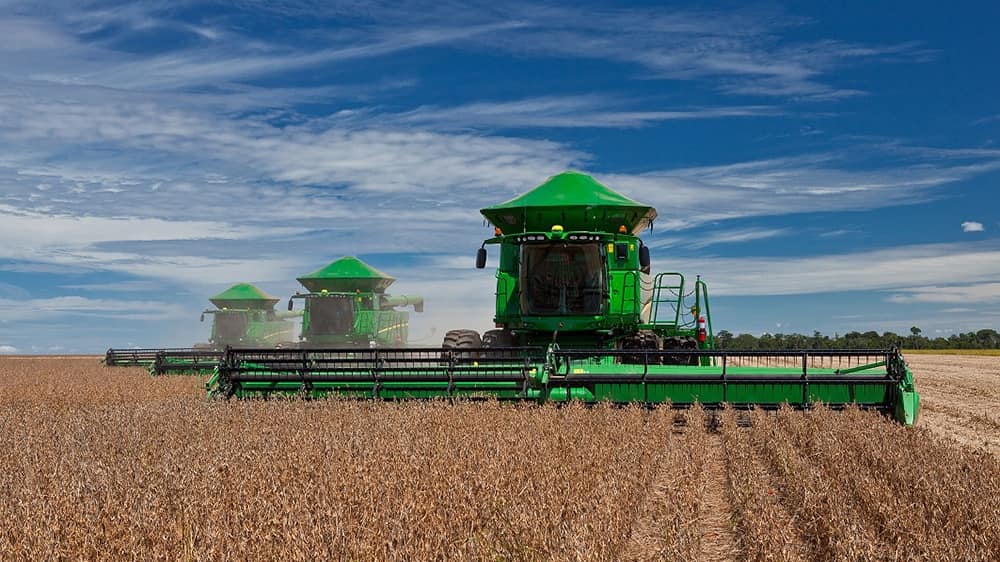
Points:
(347, 274)
(848, 377)
(384, 327)
(251, 327)
(574, 200)
(244, 296)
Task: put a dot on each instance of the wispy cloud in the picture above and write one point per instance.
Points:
(979, 293)
(743, 52)
(836, 180)
(699, 240)
(220, 64)
(56, 307)
(81, 174)
(987, 119)
(972, 226)
(896, 269)
(564, 112)
(739, 52)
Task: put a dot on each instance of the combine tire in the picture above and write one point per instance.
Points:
(498, 338)
(644, 340)
(462, 339)
(680, 343)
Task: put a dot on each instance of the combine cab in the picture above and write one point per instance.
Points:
(579, 317)
(347, 306)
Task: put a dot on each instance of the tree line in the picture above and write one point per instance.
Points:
(982, 339)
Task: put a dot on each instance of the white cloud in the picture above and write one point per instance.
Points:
(7, 350)
(956, 294)
(894, 269)
(62, 306)
(31, 231)
(829, 181)
(972, 226)
(259, 182)
(737, 52)
(563, 112)
(744, 51)
(709, 237)
(225, 63)
(987, 119)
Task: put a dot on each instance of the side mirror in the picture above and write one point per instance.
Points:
(289, 305)
(481, 258)
(644, 256)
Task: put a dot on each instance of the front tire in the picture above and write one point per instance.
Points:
(462, 339)
(498, 338)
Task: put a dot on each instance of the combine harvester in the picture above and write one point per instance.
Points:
(244, 317)
(578, 317)
(347, 306)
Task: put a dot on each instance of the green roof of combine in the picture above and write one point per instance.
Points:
(243, 295)
(347, 274)
(576, 202)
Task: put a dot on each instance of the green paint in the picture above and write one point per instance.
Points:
(347, 274)
(576, 202)
(245, 316)
(568, 276)
(556, 378)
(244, 295)
(347, 307)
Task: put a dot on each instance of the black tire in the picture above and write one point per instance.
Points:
(643, 340)
(680, 343)
(498, 338)
(462, 339)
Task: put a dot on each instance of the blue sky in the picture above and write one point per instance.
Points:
(823, 168)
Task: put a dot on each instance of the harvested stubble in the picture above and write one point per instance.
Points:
(114, 464)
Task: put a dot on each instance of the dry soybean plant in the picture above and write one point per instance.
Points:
(113, 464)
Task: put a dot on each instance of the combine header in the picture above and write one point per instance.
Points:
(244, 317)
(347, 306)
(579, 317)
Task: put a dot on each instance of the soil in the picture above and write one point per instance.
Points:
(960, 397)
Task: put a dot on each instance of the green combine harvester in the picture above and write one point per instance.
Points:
(579, 317)
(244, 317)
(347, 306)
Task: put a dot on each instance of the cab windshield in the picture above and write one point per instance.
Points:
(230, 326)
(331, 315)
(561, 279)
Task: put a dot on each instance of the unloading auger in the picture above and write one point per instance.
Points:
(579, 317)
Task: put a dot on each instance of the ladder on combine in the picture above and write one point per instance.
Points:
(667, 305)
(667, 299)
